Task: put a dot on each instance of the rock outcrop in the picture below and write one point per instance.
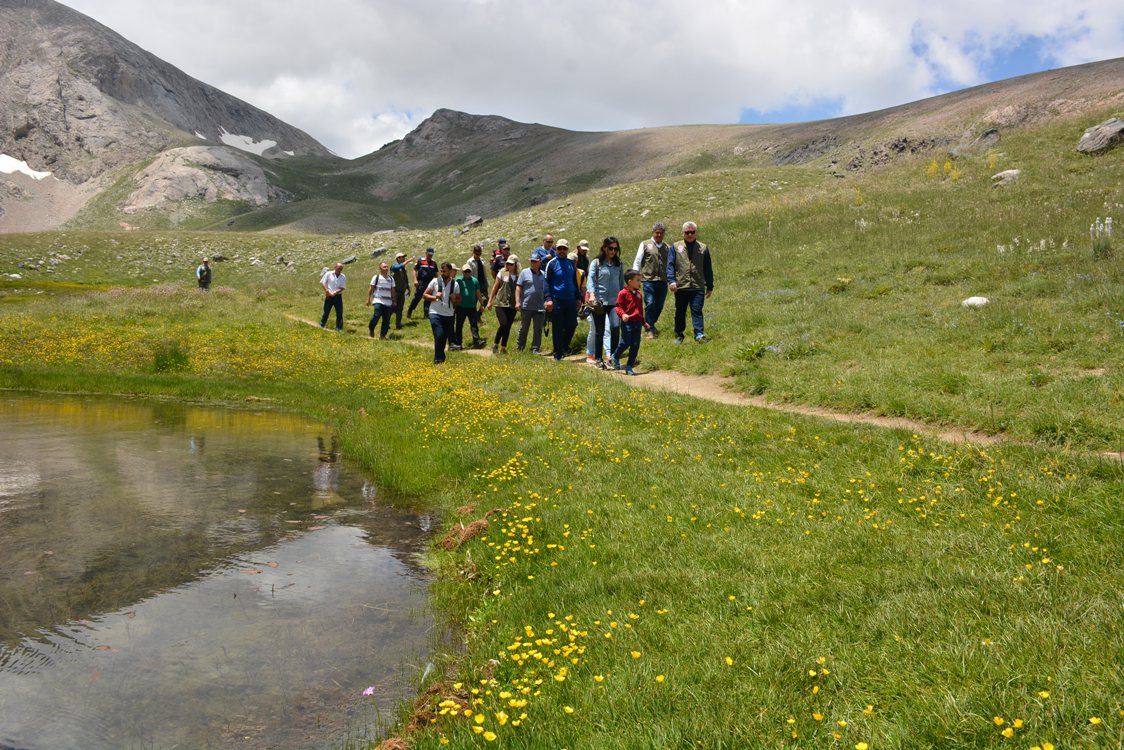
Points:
(1099, 138)
(207, 173)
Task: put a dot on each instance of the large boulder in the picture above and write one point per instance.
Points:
(1098, 138)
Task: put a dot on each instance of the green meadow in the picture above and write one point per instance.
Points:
(624, 568)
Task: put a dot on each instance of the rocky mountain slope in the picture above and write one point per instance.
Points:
(130, 140)
(78, 100)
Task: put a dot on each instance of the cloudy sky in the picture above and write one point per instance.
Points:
(356, 74)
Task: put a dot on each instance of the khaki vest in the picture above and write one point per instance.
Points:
(690, 275)
(653, 264)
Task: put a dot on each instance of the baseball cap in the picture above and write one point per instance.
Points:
(467, 267)
(562, 243)
(501, 241)
(429, 251)
(400, 254)
(584, 243)
(513, 258)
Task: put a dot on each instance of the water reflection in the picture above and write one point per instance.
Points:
(173, 575)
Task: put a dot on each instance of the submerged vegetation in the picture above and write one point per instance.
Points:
(632, 569)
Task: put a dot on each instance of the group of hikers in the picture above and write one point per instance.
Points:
(552, 293)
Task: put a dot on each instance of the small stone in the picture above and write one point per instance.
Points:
(1098, 138)
(975, 302)
(1006, 177)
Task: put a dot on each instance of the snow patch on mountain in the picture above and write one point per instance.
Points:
(9, 164)
(245, 142)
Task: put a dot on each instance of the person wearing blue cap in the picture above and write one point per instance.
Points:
(425, 271)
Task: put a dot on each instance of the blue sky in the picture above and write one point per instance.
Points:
(356, 74)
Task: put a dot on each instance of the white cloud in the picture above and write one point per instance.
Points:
(355, 73)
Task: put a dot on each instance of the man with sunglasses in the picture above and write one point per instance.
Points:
(690, 277)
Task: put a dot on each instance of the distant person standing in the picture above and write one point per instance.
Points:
(562, 291)
(690, 276)
(380, 297)
(651, 262)
(425, 270)
(442, 298)
(203, 275)
(333, 283)
(401, 275)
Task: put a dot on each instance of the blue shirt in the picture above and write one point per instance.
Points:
(561, 280)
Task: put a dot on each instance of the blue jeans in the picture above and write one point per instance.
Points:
(333, 303)
(692, 298)
(655, 293)
(563, 321)
(382, 312)
(442, 333)
(630, 340)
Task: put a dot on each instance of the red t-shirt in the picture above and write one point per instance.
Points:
(630, 303)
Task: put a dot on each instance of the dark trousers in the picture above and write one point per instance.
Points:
(563, 321)
(472, 315)
(505, 316)
(526, 319)
(655, 294)
(630, 342)
(599, 333)
(381, 312)
(399, 305)
(419, 290)
(693, 299)
(334, 302)
(442, 331)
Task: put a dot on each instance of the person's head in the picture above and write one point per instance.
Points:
(610, 250)
(502, 243)
(562, 247)
(466, 269)
(446, 270)
(536, 262)
(548, 241)
(632, 278)
(690, 230)
(339, 269)
(658, 230)
(400, 257)
(429, 253)
(476, 250)
(583, 247)
(384, 268)
(206, 261)
(511, 264)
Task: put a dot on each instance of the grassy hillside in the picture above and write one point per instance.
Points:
(663, 572)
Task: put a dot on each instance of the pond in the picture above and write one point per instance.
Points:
(173, 576)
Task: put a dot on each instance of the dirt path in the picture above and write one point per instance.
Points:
(718, 389)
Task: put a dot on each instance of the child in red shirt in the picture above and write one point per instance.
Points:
(630, 308)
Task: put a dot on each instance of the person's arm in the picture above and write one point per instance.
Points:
(495, 288)
(429, 294)
(590, 286)
(371, 292)
(708, 273)
(639, 258)
(519, 292)
(547, 300)
(671, 269)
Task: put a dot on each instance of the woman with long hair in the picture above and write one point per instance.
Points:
(502, 299)
(606, 279)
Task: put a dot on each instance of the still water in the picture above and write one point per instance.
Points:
(179, 577)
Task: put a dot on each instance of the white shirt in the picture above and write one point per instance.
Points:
(442, 306)
(333, 282)
(383, 292)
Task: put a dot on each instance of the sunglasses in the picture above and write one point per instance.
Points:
(688, 231)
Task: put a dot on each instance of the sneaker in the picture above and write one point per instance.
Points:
(495, 348)
(503, 350)
(535, 351)
(591, 360)
(600, 365)
(372, 331)
(455, 347)
(629, 371)
(679, 339)
(650, 334)
(700, 338)
(615, 363)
